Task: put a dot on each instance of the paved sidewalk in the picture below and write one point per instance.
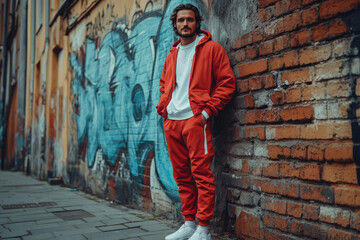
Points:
(34, 210)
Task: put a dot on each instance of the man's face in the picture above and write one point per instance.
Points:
(186, 23)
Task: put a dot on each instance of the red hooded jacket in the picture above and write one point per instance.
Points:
(212, 81)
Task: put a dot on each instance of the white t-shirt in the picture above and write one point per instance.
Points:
(179, 106)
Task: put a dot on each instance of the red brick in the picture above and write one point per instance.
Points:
(315, 153)
(331, 8)
(249, 101)
(281, 7)
(348, 195)
(320, 32)
(265, 14)
(240, 55)
(326, 131)
(271, 235)
(289, 170)
(257, 35)
(355, 220)
(315, 231)
(311, 212)
(339, 173)
(336, 234)
(307, 2)
(289, 59)
(275, 205)
(315, 54)
(248, 225)
(252, 68)
(314, 92)
(300, 38)
(317, 193)
(277, 98)
(246, 39)
(265, 3)
(286, 24)
(293, 95)
(294, 4)
(278, 187)
(256, 83)
(289, 189)
(262, 116)
(251, 52)
(245, 167)
(292, 21)
(255, 132)
(266, 48)
(309, 16)
(269, 82)
(288, 132)
(335, 215)
(296, 76)
(299, 152)
(330, 70)
(256, 170)
(339, 152)
(294, 209)
(297, 114)
(277, 222)
(310, 171)
(282, 42)
(271, 170)
(338, 88)
(237, 43)
(296, 228)
(337, 27)
(276, 152)
(243, 86)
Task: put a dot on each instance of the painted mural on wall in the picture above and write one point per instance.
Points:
(116, 89)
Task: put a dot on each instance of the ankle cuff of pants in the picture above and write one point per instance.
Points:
(190, 218)
(204, 223)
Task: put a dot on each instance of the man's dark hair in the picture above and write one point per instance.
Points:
(198, 17)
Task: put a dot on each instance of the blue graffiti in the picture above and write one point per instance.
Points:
(116, 89)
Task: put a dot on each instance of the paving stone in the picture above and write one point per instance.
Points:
(111, 228)
(41, 236)
(110, 221)
(8, 234)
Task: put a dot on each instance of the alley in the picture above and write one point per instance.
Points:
(34, 210)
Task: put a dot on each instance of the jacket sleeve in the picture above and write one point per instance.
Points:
(162, 79)
(225, 84)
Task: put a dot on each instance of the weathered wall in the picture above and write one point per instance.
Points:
(116, 62)
(287, 162)
(12, 86)
(293, 153)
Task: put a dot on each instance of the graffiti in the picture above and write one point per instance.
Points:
(101, 22)
(115, 84)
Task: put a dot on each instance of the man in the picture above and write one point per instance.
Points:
(196, 83)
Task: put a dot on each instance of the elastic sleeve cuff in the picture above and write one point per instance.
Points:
(206, 115)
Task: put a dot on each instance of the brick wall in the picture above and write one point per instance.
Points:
(293, 151)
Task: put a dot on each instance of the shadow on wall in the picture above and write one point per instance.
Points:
(116, 88)
(353, 23)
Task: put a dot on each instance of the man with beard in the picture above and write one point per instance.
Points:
(196, 83)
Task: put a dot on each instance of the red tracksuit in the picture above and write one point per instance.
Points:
(212, 84)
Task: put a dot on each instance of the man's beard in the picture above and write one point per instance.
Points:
(187, 35)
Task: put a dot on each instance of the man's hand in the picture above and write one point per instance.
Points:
(203, 118)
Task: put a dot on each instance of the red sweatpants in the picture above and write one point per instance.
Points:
(191, 152)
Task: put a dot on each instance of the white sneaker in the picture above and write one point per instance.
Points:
(200, 235)
(183, 233)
